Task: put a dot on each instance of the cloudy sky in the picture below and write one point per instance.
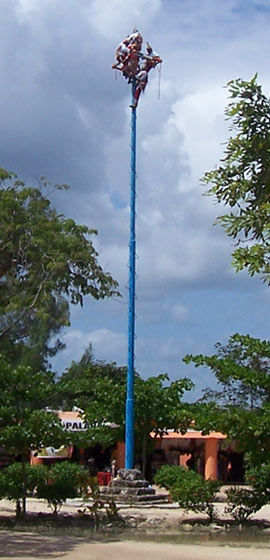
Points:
(65, 114)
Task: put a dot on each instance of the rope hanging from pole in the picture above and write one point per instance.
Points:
(159, 80)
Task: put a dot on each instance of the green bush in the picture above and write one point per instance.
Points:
(259, 479)
(242, 503)
(19, 481)
(188, 488)
(196, 494)
(170, 475)
(64, 480)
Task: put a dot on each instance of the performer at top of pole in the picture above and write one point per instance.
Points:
(134, 64)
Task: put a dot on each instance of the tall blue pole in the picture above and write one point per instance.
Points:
(129, 435)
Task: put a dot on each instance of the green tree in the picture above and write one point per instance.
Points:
(77, 370)
(46, 262)
(101, 397)
(242, 181)
(25, 424)
(158, 407)
(242, 368)
(34, 340)
(88, 365)
(79, 383)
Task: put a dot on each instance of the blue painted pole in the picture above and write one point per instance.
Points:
(129, 433)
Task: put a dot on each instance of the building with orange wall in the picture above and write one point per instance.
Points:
(192, 450)
(210, 455)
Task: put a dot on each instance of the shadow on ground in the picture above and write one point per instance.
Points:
(33, 545)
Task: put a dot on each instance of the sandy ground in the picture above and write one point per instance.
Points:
(22, 546)
(25, 546)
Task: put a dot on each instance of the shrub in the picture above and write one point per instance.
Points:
(242, 503)
(18, 480)
(259, 479)
(189, 489)
(196, 494)
(170, 475)
(64, 480)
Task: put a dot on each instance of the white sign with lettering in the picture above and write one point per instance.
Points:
(72, 425)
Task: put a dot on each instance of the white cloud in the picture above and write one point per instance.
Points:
(200, 118)
(26, 7)
(106, 344)
(109, 16)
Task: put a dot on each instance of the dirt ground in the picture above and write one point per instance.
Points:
(151, 520)
(27, 546)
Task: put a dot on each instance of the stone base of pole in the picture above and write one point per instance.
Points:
(130, 487)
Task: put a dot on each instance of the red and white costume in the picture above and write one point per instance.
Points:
(128, 55)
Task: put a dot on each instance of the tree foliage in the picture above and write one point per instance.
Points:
(82, 381)
(242, 369)
(24, 421)
(46, 262)
(242, 180)
(34, 340)
(25, 424)
(158, 405)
